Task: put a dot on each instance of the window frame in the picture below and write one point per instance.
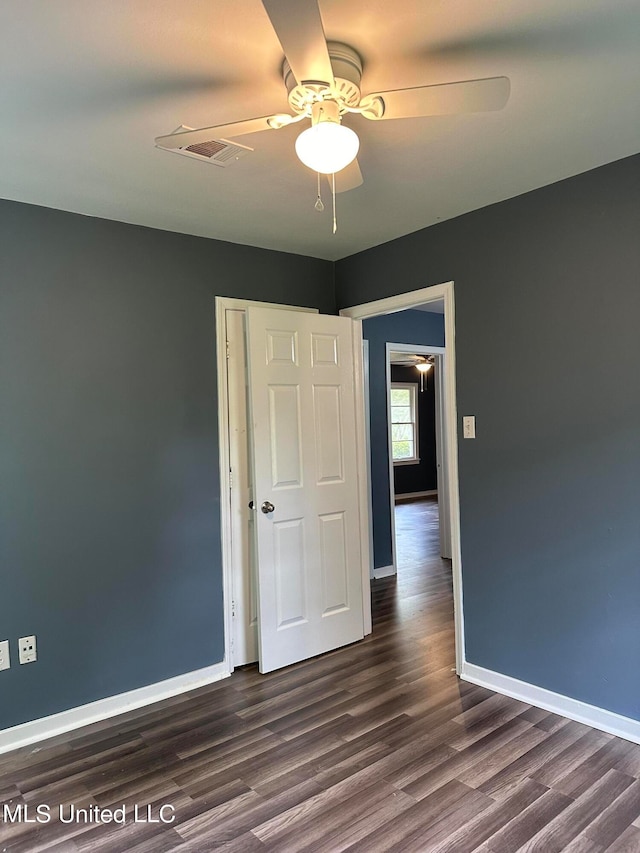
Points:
(412, 387)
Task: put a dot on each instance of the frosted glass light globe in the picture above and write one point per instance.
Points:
(327, 147)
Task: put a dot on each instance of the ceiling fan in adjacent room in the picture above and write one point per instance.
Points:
(323, 81)
(422, 363)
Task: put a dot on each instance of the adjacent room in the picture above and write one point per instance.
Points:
(319, 447)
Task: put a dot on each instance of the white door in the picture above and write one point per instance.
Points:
(305, 477)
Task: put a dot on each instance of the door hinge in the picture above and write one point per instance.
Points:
(230, 478)
(233, 610)
(228, 349)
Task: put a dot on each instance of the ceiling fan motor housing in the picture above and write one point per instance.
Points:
(347, 70)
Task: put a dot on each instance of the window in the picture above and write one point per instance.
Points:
(404, 423)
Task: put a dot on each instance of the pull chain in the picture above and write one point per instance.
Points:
(319, 206)
(333, 191)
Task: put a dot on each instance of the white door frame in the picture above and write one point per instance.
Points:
(222, 304)
(402, 302)
(418, 349)
(367, 431)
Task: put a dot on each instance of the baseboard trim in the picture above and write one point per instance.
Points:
(574, 709)
(411, 496)
(57, 724)
(384, 572)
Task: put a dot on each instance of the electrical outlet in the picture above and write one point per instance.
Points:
(5, 658)
(27, 649)
(469, 426)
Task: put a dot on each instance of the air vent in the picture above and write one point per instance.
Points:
(221, 152)
(207, 149)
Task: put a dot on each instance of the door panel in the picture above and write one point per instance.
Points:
(290, 570)
(302, 402)
(286, 438)
(328, 433)
(333, 561)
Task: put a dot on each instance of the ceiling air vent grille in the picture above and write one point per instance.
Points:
(221, 152)
(207, 149)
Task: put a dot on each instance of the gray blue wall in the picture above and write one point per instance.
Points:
(109, 499)
(109, 530)
(547, 289)
(404, 327)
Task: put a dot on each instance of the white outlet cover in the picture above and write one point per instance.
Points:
(5, 658)
(27, 649)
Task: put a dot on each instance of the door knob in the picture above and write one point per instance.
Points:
(267, 507)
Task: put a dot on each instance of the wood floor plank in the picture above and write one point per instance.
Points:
(582, 844)
(209, 748)
(167, 842)
(617, 816)
(575, 754)
(501, 757)
(478, 753)
(527, 764)
(307, 834)
(580, 815)
(413, 821)
(214, 828)
(494, 705)
(629, 762)
(474, 833)
(470, 734)
(523, 827)
(628, 842)
(375, 816)
(272, 828)
(428, 837)
(534, 715)
(594, 767)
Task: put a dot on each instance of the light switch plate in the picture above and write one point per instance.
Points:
(469, 426)
(5, 658)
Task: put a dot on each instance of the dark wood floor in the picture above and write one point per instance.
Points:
(376, 747)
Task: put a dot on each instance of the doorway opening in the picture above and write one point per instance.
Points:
(421, 533)
(416, 442)
(423, 300)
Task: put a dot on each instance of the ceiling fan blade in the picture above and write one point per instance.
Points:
(469, 96)
(183, 138)
(348, 179)
(298, 25)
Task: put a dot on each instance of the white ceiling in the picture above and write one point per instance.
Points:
(86, 85)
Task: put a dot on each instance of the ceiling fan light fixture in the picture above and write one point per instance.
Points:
(327, 146)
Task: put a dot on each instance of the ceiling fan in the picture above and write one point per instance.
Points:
(405, 359)
(323, 84)
(422, 363)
